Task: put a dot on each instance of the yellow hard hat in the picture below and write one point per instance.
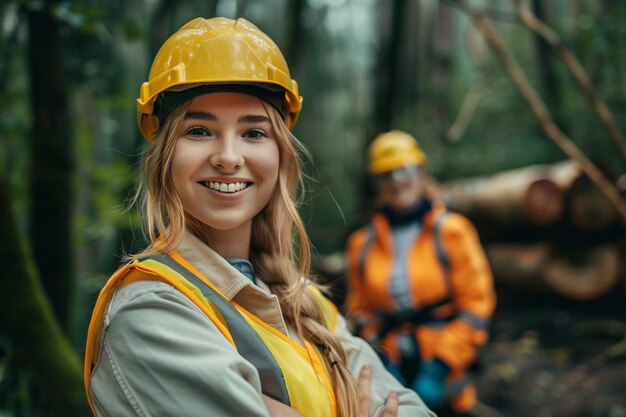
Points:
(217, 52)
(392, 150)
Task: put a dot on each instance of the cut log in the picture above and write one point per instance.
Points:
(584, 274)
(588, 207)
(543, 203)
(580, 273)
(533, 195)
(519, 265)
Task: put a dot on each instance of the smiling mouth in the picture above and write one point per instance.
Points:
(224, 187)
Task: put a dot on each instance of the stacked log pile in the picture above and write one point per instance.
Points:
(545, 228)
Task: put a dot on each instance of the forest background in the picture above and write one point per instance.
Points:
(446, 71)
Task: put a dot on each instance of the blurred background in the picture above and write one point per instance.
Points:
(519, 105)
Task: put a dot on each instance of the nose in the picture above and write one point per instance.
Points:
(227, 156)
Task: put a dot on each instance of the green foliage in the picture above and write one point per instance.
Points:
(106, 213)
(107, 48)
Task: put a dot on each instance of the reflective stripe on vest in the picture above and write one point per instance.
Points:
(248, 343)
(442, 255)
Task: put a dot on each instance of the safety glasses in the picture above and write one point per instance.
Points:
(403, 174)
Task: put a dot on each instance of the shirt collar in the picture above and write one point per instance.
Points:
(244, 266)
(234, 285)
(227, 278)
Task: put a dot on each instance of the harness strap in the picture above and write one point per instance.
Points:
(416, 317)
(248, 342)
(474, 321)
(441, 250)
(369, 240)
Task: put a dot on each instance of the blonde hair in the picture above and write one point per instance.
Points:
(276, 232)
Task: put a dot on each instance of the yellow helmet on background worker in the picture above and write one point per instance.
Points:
(392, 150)
(212, 55)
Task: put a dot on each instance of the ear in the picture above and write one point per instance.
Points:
(149, 124)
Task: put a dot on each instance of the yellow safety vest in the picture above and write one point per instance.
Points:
(290, 373)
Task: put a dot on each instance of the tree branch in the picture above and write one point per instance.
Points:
(466, 113)
(577, 71)
(543, 115)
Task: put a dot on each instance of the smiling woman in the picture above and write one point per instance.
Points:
(225, 167)
(217, 317)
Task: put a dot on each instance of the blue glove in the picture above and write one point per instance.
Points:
(429, 383)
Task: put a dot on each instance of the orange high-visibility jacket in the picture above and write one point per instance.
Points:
(449, 281)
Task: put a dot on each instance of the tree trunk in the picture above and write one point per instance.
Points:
(519, 265)
(584, 273)
(27, 321)
(576, 273)
(52, 162)
(442, 60)
(549, 77)
(588, 207)
(513, 199)
(294, 29)
(388, 87)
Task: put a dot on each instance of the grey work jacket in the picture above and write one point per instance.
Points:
(162, 356)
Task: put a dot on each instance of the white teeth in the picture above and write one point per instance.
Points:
(224, 187)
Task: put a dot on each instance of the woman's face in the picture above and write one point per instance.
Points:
(226, 162)
(400, 189)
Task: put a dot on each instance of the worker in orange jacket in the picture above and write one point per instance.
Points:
(419, 284)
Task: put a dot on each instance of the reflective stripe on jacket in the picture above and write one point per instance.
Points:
(290, 373)
(450, 286)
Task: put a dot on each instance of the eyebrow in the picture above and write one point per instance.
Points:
(253, 118)
(201, 115)
(246, 118)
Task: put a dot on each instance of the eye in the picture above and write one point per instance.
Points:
(254, 134)
(198, 131)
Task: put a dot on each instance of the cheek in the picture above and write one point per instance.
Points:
(387, 195)
(176, 174)
(176, 178)
(183, 161)
(412, 191)
(270, 179)
(419, 188)
(268, 164)
(400, 194)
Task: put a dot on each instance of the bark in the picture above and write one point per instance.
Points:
(443, 40)
(548, 74)
(392, 15)
(588, 208)
(514, 199)
(519, 265)
(52, 162)
(584, 273)
(28, 323)
(577, 273)
(294, 33)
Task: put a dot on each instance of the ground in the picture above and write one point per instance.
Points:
(550, 357)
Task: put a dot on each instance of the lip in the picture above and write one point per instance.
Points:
(227, 180)
(225, 196)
